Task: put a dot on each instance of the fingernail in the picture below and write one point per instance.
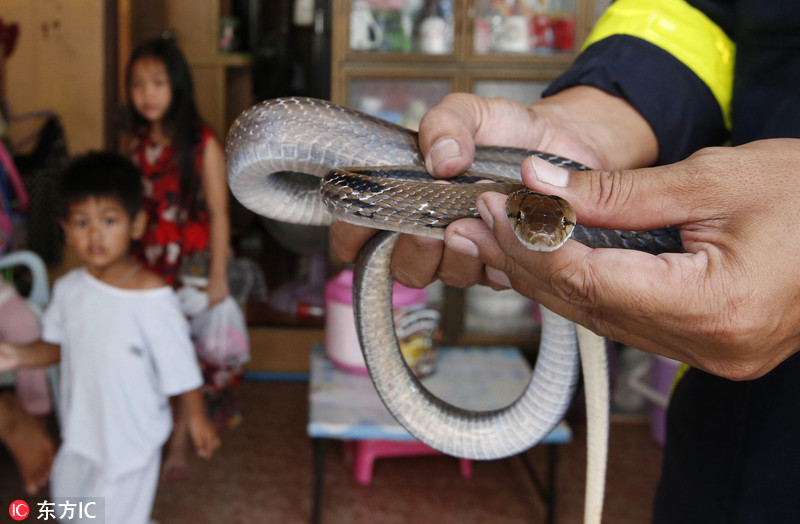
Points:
(498, 277)
(549, 174)
(486, 215)
(442, 151)
(462, 245)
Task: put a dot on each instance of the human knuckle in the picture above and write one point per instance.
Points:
(708, 156)
(729, 368)
(730, 343)
(739, 326)
(611, 189)
(574, 284)
(449, 106)
(411, 279)
(704, 173)
(458, 279)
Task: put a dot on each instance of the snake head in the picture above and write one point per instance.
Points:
(541, 222)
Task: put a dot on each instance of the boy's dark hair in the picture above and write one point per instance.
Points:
(100, 175)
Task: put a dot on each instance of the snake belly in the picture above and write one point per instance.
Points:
(272, 140)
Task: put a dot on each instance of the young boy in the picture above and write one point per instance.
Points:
(123, 344)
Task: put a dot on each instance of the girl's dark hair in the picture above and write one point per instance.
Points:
(100, 175)
(182, 119)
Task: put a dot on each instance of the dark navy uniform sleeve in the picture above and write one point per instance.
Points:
(672, 61)
(676, 103)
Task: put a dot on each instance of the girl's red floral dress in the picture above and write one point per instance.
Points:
(171, 232)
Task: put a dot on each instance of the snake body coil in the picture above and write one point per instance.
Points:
(309, 136)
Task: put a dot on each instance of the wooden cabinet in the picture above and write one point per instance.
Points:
(223, 81)
(397, 58)
(58, 65)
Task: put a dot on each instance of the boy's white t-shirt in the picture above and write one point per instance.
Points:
(123, 354)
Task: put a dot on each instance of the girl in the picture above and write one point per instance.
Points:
(185, 187)
(186, 193)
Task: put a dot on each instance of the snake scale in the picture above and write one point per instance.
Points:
(270, 150)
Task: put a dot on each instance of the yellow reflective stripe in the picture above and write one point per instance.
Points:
(679, 373)
(681, 30)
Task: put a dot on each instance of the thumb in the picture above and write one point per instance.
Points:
(631, 199)
(447, 135)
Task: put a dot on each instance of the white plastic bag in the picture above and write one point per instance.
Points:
(220, 335)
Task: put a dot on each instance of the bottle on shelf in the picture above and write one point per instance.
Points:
(436, 27)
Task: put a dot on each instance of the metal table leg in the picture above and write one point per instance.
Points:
(547, 489)
(552, 465)
(318, 446)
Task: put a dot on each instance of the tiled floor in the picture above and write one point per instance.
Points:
(262, 474)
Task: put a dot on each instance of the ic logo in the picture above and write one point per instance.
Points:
(19, 510)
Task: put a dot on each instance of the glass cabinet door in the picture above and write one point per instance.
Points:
(400, 100)
(524, 91)
(402, 26)
(523, 27)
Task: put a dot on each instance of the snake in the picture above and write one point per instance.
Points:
(310, 161)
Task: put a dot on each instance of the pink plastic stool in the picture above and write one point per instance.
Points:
(364, 453)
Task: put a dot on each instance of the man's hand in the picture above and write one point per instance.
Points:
(582, 123)
(728, 305)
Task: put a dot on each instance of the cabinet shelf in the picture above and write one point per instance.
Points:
(222, 80)
(369, 56)
(223, 60)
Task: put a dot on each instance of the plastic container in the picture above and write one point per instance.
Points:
(341, 340)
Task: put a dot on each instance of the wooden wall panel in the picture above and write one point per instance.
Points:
(58, 65)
